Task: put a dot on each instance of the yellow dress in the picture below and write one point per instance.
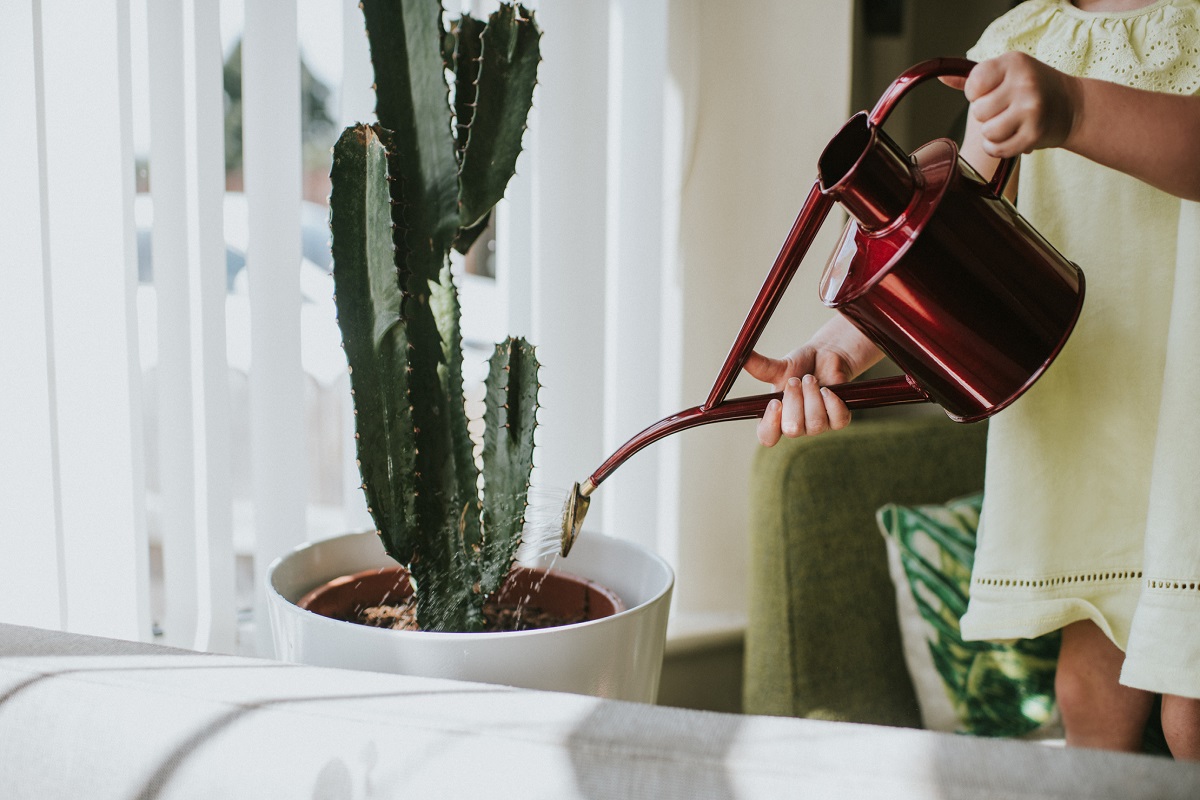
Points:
(1092, 494)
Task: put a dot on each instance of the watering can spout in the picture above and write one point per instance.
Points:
(573, 513)
(890, 391)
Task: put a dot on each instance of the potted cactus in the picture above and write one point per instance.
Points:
(405, 191)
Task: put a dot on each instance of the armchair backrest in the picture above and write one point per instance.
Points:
(822, 639)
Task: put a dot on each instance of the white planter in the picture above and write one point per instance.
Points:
(618, 657)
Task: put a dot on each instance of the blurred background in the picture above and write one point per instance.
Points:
(175, 405)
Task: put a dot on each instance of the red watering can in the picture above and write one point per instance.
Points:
(934, 266)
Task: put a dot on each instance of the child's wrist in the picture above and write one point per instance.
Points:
(1075, 96)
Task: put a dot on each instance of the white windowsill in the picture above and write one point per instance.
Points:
(694, 631)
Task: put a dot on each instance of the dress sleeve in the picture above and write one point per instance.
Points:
(1019, 29)
(1158, 50)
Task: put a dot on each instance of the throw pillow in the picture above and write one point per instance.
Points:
(980, 688)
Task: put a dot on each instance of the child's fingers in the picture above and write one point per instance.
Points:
(791, 420)
(985, 77)
(839, 414)
(1002, 129)
(989, 106)
(1006, 143)
(806, 410)
(768, 427)
(995, 149)
(756, 364)
(816, 418)
(762, 368)
(953, 81)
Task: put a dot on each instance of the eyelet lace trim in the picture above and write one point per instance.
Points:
(1065, 579)
(1173, 585)
(1156, 48)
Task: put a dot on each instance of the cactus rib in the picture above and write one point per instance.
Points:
(510, 54)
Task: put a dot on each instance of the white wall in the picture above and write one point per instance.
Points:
(760, 87)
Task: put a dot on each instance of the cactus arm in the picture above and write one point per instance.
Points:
(441, 562)
(511, 415)
(507, 74)
(468, 46)
(447, 312)
(412, 96)
(447, 576)
(368, 301)
(436, 485)
(464, 61)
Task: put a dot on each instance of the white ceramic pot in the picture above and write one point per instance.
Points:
(618, 657)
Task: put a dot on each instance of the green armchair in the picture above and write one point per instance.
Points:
(822, 639)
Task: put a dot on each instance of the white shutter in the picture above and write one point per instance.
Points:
(91, 346)
(187, 187)
(31, 583)
(271, 148)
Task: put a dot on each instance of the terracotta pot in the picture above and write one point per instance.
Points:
(565, 596)
(617, 656)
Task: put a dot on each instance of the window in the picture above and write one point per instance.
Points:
(202, 404)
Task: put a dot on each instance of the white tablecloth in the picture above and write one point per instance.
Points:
(91, 718)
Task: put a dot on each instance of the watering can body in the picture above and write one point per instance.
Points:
(943, 274)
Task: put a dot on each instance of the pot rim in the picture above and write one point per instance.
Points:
(275, 597)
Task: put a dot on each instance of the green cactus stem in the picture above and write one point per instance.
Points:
(447, 311)
(511, 417)
(412, 99)
(504, 82)
(368, 304)
(405, 192)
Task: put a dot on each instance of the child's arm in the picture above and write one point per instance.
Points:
(973, 153)
(1019, 104)
(836, 353)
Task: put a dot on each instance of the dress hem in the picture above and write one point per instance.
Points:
(1138, 675)
(1010, 624)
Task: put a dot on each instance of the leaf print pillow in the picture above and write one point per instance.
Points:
(980, 688)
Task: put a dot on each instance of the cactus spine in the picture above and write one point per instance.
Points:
(406, 191)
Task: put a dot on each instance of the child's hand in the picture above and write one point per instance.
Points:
(837, 352)
(1019, 104)
(806, 408)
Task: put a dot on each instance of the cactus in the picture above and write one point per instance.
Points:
(405, 191)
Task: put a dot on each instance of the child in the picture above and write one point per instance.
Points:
(1092, 492)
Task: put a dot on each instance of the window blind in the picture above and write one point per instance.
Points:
(626, 179)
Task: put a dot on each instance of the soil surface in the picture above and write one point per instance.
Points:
(497, 618)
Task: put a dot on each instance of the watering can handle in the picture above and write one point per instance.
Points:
(919, 73)
(804, 230)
